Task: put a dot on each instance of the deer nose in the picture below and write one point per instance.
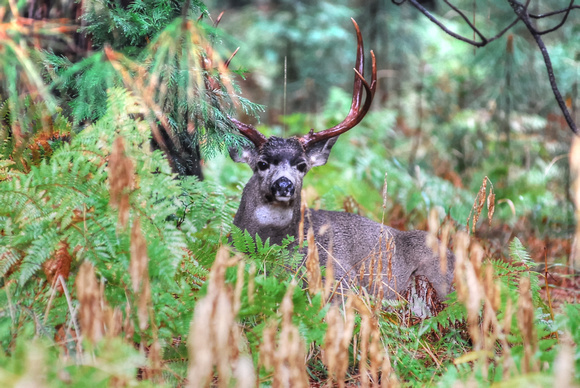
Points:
(283, 187)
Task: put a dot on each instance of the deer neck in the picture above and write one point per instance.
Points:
(267, 219)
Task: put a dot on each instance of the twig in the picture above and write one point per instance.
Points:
(73, 316)
(548, 287)
(485, 41)
(521, 11)
(49, 304)
(466, 19)
(562, 22)
(540, 16)
(10, 305)
(429, 16)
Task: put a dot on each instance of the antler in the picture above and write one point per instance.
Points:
(356, 113)
(249, 131)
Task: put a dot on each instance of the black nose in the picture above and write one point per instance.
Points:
(283, 187)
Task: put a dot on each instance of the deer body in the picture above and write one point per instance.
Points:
(358, 247)
(349, 240)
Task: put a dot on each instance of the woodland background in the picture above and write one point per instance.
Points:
(113, 236)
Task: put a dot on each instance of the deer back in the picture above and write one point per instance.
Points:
(372, 254)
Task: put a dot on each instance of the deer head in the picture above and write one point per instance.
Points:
(280, 165)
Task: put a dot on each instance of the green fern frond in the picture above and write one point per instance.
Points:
(454, 314)
(8, 256)
(39, 250)
(519, 253)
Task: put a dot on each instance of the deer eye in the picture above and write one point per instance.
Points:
(263, 165)
(301, 167)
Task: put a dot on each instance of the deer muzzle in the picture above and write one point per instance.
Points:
(282, 189)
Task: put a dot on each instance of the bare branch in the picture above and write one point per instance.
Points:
(522, 12)
(429, 16)
(466, 19)
(516, 20)
(544, 15)
(562, 22)
(484, 41)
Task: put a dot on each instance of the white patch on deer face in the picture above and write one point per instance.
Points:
(277, 216)
(283, 170)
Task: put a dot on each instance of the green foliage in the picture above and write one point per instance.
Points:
(36, 362)
(276, 259)
(278, 265)
(66, 198)
(296, 38)
(20, 77)
(131, 27)
(85, 83)
(175, 61)
(162, 58)
(446, 334)
(569, 322)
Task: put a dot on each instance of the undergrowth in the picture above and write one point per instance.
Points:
(105, 209)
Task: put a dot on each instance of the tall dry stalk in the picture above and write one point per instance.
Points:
(313, 273)
(469, 289)
(437, 244)
(337, 340)
(90, 298)
(141, 287)
(526, 326)
(564, 363)
(139, 271)
(290, 367)
(121, 180)
(388, 377)
(479, 203)
(287, 356)
(97, 318)
(214, 339)
(372, 352)
(477, 288)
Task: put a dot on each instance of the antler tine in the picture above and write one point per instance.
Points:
(246, 130)
(250, 132)
(356, 113)
(358, 68)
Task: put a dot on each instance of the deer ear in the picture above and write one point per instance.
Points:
(245, 153)
(318, 153)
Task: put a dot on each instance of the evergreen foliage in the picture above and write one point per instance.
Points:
(160, 51)
(129, 26)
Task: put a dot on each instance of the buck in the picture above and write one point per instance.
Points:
(270, 206)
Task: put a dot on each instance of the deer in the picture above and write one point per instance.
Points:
(270, 206)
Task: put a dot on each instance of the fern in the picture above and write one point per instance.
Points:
(454, 314)
(276, 259)
(519, 254)
(66, 198)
